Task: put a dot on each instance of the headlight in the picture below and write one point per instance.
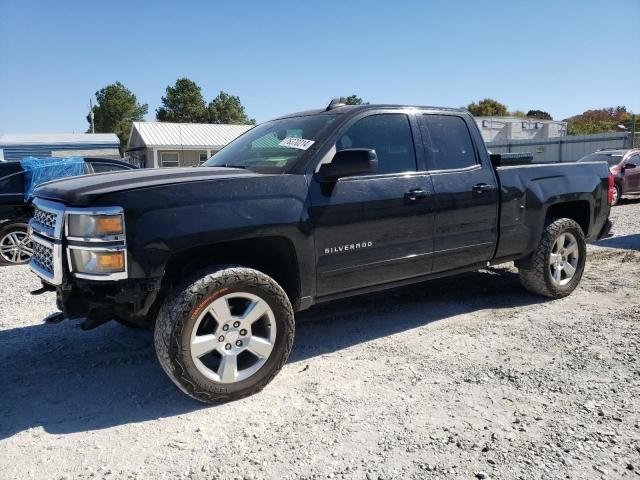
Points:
(97, 261)
(96, 243)
(95, 226)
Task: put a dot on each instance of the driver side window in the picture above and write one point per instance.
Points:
(389, 134)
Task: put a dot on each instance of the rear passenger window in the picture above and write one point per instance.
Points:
(389, 135)
(448, 142)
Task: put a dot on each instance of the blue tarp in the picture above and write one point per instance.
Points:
(40, 170)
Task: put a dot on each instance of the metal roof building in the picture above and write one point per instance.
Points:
(15, 146)
(162, 144)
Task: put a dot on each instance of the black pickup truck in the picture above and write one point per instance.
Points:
(303, 209)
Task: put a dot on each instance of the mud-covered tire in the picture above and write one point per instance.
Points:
(179, 315)
(536, 274)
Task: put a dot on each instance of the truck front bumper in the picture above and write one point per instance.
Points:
(129, 301)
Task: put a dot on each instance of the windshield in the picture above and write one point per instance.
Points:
(272, 147)
(611, 158)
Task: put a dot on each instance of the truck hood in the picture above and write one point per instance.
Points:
(86, 189)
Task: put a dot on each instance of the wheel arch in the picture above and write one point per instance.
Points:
(273, 255)
(577, 210)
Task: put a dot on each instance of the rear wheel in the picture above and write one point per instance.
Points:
(224, 334)
(557, 264)
(15, 245)
(617, 194)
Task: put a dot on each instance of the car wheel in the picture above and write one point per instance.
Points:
(617, 194)
(224, 333)
(556, 266)
(15, 245)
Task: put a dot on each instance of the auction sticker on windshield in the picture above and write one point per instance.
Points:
(295, 142)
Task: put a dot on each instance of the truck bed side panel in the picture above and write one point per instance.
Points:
(528, 191)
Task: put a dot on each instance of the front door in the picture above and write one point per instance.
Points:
(466, 194)
(374, 229)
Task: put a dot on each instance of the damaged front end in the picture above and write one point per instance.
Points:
(82, 254)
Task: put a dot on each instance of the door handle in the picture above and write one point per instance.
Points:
(415, 194)
(480, 188)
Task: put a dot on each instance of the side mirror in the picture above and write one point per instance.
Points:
(349, 162)
(629, 165)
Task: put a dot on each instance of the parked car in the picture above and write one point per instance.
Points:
(15, 212)
(624, 165)
(301, 210)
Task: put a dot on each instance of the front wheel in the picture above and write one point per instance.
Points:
(15, 245)
(224, 334)
(557, 264)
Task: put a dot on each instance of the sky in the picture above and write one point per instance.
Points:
(563, 57)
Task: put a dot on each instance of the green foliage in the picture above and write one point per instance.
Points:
(183, 103)
(227, 108)
(539, 114)
(518, 114)
(116, 109)
(488, 107)
(599, 121)
(353, 100)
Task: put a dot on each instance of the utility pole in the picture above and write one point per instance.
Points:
(93, 127)
(633, 131)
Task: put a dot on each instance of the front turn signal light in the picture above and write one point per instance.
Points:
(108, 225)
(112, 262)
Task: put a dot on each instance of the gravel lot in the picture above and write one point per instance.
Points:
(458, 378)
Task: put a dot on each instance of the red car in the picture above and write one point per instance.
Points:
(624, 165)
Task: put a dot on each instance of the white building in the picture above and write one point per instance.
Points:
(15, 146)
(162, 144)
(502, 129)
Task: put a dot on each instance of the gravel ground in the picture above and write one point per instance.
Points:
(457, 378)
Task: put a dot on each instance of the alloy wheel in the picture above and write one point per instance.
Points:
(563, 259)
(16, 247)
(233, 337)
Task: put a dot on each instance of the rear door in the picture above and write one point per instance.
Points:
(466, 192)
(374, 229)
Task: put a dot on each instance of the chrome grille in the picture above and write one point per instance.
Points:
(45, 230)
(43, 257)
(47, 219)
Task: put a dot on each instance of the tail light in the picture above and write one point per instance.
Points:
(610, 189)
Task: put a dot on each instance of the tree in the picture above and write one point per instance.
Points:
(518, 114)
(183, 103)
(116, 109)
(353, 100)
(488, 108)
(227, 108)
(599, 121)
(539, 114)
